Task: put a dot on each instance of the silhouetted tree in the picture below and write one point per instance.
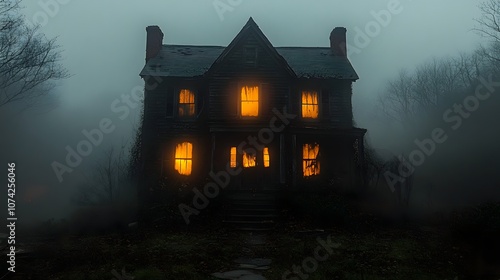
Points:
(29, 62)
(106, 181)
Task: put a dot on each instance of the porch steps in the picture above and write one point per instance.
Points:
(251, 211)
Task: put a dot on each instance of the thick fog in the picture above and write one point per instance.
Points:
(103, 44)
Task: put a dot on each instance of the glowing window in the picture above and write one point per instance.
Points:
(310, 106)
(249, 160)
(184, 158)
(233, 157)
(266, 157)
(310, 163)
(186, 103)
(250, 101)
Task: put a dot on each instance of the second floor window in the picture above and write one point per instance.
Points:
(187, 106)
(249, 101)
(310, 104)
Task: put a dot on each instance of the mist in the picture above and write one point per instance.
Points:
(103, 47)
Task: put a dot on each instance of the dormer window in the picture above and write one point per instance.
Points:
(187, 105)
(310, 104)
(249, 101)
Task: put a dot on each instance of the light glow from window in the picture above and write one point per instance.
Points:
(186, 103)
(310, 105)
(233, 157)
(266, 157)
(249, 160)
(310, 163)
(184, 158)
(250, 101)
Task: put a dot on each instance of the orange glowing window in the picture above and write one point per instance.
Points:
(249, 160)
(310, 105)
(250, 101)
(233, 157)
(186, 103)
(310, 163)
(184, 158)
(266, 157)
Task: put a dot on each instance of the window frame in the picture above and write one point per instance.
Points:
(315, 160)
(231, 157)
(320, 109)
(259, 102)
(175, 158)
(256, 158)
(177, 104)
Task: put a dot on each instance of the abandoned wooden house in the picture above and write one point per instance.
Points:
(272, 118)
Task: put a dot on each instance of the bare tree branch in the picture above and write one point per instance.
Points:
(29, 63)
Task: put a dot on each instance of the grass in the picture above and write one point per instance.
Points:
(377, 251)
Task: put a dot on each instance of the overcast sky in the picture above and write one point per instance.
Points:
(103, 45)
(104, 41)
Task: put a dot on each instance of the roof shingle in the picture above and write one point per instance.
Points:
(193, 61)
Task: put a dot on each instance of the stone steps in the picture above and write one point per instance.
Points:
(251, 211)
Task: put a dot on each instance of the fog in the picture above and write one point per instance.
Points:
(103, 45)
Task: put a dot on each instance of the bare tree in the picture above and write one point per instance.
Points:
(397, 101)
(489, 23)
(412, 96)
(489, 27)
(108, 179)
(29, 62)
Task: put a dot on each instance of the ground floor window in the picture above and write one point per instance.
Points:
(266, 157)
(249, 160)
(184, 158)
(232, 157)
(310, 162)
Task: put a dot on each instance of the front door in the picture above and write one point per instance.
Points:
(257, 170)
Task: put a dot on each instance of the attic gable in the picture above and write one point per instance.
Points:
(250, 35)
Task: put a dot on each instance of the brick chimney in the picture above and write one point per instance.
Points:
(154, 41)
(338, 43)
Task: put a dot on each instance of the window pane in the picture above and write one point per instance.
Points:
(250, 101)
(266, 157)
(249, 160)
(184, 158)
(310, 164)
(310, 105)
(233, 157)
(186, 103)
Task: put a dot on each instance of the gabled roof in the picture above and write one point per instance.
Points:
(251, 26)
(195, 61)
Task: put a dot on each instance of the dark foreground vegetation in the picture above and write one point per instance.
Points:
(463, 245)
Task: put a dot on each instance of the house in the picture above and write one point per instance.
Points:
(271, 118)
